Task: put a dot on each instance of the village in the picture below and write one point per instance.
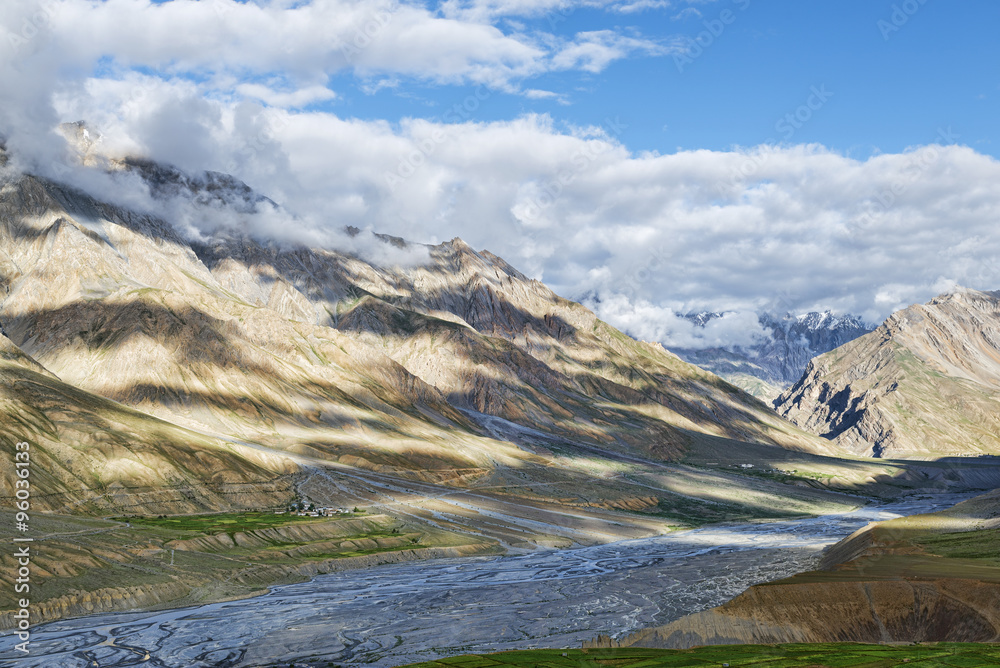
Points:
(311, 510)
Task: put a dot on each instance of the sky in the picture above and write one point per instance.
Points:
(648, 157)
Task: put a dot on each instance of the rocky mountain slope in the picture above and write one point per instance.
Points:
(924, 578)
(926, 383)
(92, 455)
(320, 354)
(775, 362)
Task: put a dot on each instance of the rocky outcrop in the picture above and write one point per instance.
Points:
(283, 535)
(924, 384)
(109, 599)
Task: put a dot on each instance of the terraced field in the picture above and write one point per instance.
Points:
(95, 565)
(214, 523)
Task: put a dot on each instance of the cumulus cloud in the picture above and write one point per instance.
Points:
(281, 54)
(308, 41)
(592, 51)
(774, 228)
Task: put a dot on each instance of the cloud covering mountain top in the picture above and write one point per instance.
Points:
(226, 86)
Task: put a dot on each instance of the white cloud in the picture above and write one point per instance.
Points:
(650, 322)
(307, 41)
(686, 13)
(593, 51)
(632, 6)
(536, 94)
(806, 229)
(295, 99)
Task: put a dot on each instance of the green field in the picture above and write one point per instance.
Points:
(982, 545)
(840, 655)
(227, 522)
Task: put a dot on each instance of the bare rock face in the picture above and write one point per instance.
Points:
(924, 384)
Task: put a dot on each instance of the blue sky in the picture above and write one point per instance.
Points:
(894, 83)
(651, 157)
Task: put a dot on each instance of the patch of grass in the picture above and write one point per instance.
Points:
(226, 522)
(830, 655)
(360, 553)
(692, 513)
(982, 544)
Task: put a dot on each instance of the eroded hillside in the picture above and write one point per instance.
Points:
(925, 384)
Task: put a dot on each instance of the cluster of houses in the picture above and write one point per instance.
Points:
(315, 512)
(762, 470)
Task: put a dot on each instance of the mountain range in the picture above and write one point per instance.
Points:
(321, 354)
(177, 361)
(775, 361)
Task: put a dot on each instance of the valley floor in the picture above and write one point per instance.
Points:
(91, 565)
(407, 612)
